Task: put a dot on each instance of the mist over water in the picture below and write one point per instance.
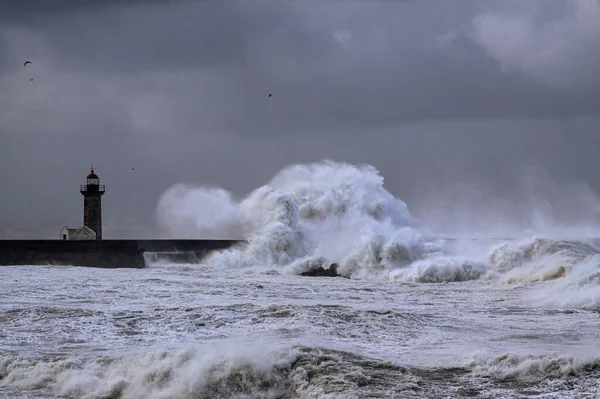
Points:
(534, 204)
(420, 313)
(330, 212)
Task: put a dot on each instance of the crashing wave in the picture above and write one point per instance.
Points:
(568, 270)
(252, 371)
(539, 260)
(442, 270)
(579, 288)
(507, 256)
(532, 368)
(330, 212)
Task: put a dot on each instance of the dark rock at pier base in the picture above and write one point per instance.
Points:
(322, 272)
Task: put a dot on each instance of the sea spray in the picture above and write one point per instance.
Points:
(568, 270)
(439, 269)
(578, 288)
(508, 256)
(313, 215)
(275, 238)
(539, 259)
(188, 211)
(325, 212)
(533, 368)
(234, 371)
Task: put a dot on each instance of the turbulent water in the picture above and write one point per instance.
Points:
(416, 316)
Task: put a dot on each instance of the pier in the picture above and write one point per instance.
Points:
(85, 246)
(105, 253)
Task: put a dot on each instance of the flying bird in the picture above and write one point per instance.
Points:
(270, 95)
(26, 63)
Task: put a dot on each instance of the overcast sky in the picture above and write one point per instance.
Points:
(461, 104)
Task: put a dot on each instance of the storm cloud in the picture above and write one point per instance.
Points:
(434, 94)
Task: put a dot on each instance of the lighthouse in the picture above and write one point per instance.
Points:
(92, 193)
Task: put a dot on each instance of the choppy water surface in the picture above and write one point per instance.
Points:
(191, 331)
(415, 317)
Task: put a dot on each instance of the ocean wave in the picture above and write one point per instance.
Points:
(569, 271)
(337, 212)
(579, 288)
(442, 269)
(532, 368)
(299, 372)
(510, 256)
(250, 371)
(315, 215)
(185, 373)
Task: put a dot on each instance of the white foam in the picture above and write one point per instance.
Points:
(442, 269)
(509, 256)
(235, 371)
(568, 269)
(330, 212)
(579, 288)
(530, 368)
(336, 212)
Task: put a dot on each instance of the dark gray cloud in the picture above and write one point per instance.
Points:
(26, 9)
(358, 63)
(429, 92)
(559, 50)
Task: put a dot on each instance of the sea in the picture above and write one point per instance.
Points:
(414, 314)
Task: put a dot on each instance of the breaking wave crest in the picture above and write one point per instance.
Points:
(315, 215)
(185, 373)
(508, 257)
(570, 271)
(533, 368)
(442, 269)
(310, 215)
(579, 288)
(284, 372)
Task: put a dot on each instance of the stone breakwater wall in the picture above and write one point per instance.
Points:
(105, 253)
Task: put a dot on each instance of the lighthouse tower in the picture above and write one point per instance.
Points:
(92, 193)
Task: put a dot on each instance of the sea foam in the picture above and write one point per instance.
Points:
(325, 212)
(328, 212)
